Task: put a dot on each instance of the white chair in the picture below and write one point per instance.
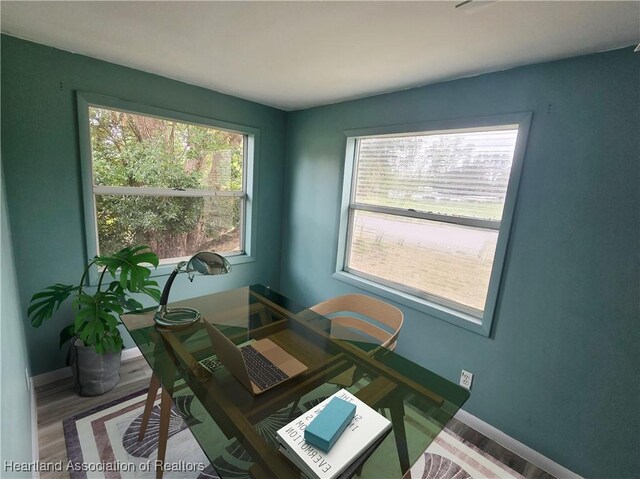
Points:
(358, 317)
(362, 318)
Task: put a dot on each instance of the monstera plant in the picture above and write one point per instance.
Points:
(97, 344)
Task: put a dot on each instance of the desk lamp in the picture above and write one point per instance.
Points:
(206, 263)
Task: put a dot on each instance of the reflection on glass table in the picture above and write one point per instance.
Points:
(228, 417)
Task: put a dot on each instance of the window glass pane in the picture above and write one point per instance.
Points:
(447, 261)
(459, 174)
(172, 226)
(144, 151)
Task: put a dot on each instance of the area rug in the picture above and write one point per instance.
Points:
(103, 444)
(451, 457)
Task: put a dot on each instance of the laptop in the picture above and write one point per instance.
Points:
(259, 366)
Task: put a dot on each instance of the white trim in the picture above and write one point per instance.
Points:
(153, 191)
(411, 213)
(515, 446)
(35, 446)
(430, 131)
(436, 308)
(51, 377)
(251, 159)
(131, 353)
(63, 373)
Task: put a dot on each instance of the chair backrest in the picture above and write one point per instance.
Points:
(351, 311)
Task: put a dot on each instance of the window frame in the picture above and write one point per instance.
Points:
(251, 135)
(444, 310)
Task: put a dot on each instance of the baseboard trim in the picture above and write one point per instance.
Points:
(513, 445)
(131, 353)
(35, 444)
(63, 373)
(51, 377)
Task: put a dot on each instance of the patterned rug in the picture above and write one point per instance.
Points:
(451, 457)
(103, 443)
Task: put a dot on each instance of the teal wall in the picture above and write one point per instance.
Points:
(15, 402)
(560, 372)
(42, 167)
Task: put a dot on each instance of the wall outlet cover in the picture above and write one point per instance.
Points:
(466, 378)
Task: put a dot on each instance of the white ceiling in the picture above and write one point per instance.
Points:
(294, 55)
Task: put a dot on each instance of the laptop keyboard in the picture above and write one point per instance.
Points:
(211, 363)
(262, 372)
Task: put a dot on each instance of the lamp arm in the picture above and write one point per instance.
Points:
(204, 262)
(164, 299)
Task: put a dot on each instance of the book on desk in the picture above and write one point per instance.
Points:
(359, 440)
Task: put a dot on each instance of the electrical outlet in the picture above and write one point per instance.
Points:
(466, 378)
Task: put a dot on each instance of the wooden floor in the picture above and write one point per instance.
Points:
(57, 401)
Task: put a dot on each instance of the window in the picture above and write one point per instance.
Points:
(178, 185)
(424, 215)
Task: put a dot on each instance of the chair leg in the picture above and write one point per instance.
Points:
(165, 415)
(154, 384)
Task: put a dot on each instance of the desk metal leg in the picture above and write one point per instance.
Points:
(397, 418)
(383, 393)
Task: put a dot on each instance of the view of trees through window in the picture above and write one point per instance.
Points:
(174, 186)
(426, 210)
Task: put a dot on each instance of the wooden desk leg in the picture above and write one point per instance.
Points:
(397, 419)
(165, 416)
(154, 384)
(166, 381)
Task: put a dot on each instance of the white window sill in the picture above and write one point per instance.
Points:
(167, 268)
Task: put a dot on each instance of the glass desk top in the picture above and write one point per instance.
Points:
(417, 401)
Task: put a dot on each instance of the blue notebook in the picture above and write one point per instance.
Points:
(326, 427)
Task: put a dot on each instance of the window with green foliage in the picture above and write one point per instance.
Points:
(424, 214)
(175, 186)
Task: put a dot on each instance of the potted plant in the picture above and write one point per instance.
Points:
(96, 343)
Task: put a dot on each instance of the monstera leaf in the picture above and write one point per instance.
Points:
(109, 343)
(97, 315)
(47, 302)
(147, 287)
(150, 288)
(100, 306)
(129, 261)
(125, 301)
(67, 333)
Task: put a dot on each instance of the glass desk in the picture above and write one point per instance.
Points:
(227, 417)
